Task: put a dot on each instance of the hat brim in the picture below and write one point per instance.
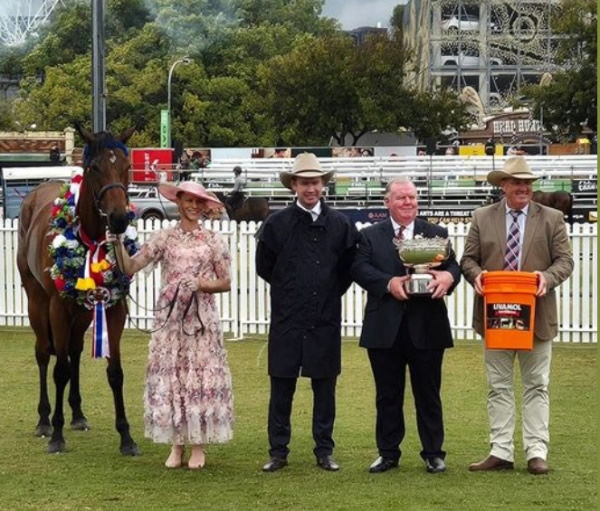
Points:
(286, 177)
(170, 192)
(495, 177)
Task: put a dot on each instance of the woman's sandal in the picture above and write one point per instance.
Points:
(197, 458)
(175, 458)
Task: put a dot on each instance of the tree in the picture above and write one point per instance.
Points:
(569, 101)
(329, 87)
(433, 112)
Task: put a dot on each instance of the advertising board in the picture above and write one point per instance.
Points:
(151, 164)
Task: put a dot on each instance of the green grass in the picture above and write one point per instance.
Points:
(92, 475)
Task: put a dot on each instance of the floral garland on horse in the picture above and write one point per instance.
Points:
(85, 270)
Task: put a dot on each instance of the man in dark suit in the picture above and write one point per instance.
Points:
(304, 252)
(401, 330)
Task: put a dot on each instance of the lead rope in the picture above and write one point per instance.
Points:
(170, 305)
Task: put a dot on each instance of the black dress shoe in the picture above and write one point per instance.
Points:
(435, 465)
(327, 463)
(274, 464)
(382, 464)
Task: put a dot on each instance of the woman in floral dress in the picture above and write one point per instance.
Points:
(188, 394)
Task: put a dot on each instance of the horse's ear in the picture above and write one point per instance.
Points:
(124, 136)
(85, 134)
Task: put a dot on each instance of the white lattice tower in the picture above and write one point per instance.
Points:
(21, 18)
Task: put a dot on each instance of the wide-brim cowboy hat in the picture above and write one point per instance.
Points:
(305, 165)
(515, 167)
(171, 191)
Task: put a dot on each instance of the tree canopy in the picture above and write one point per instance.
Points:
(263, 72)
(568, 104)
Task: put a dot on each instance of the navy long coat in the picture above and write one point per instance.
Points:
(308, 266)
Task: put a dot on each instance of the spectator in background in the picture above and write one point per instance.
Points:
(54, 154)
(236, 196)
(184, 167)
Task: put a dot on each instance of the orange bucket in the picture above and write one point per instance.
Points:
(509, 309)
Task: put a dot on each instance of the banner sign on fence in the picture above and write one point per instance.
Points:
(585, 185)
(436, 216)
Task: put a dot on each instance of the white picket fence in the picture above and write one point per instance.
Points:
(246, 309)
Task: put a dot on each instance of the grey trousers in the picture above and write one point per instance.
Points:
(535, 376)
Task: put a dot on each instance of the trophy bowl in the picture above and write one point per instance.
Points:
(419, 255)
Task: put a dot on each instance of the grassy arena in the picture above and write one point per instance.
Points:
(92, 475)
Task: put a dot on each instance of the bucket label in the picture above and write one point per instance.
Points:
(508, 316)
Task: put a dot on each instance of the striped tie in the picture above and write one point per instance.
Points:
(513, 247)
(400, 234)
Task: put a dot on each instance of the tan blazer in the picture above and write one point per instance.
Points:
(546, 248)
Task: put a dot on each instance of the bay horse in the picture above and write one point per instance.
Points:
(59, 322)
(561, 200)
(250, 209)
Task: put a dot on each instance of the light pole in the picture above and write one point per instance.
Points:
(186, 61)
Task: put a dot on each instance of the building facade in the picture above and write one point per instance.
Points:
(493, 46)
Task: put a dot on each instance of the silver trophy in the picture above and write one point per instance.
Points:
(419, 255)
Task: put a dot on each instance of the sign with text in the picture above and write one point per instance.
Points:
(585, 185)
(165, 135)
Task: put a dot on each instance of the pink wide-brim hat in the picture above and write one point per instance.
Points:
(170, 191)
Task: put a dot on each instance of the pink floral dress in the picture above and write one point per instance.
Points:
(188, 394)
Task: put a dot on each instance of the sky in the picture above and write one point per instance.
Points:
(360, 13)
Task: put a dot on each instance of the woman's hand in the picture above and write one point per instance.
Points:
(193, 284)
(125, 263)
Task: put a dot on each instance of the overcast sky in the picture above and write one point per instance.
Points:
(360, 13)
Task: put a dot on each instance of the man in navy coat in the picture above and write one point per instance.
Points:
(305, 253)
(401, 330)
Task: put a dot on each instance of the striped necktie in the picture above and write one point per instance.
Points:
(513, 245)
(400, 233)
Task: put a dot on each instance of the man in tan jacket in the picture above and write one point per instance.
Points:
(518, 234)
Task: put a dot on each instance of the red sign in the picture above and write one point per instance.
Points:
(149, 164)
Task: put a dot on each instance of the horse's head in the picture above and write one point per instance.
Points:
(106, 177)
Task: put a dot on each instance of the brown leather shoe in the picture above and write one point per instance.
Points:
(491, 463)
(537, 466)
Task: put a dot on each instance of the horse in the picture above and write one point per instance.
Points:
(561, 200)
(250, 209)
(59, 322)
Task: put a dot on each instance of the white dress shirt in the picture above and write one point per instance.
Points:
(314, 212)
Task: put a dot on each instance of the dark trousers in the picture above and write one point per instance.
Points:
(389, 370)
(280, 409)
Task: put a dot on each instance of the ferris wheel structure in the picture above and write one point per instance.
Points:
(20, 19)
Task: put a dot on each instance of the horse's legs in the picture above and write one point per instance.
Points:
(38, 318)
(114, 372)
(43, 427)
(78, 420)
(62, 370)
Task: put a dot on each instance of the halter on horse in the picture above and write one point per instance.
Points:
(59, 320)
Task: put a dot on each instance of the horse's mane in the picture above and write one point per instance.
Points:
(102, 140)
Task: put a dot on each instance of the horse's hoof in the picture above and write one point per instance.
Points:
(56, 446)
(130, 450)
(80, 424)
(43, 430)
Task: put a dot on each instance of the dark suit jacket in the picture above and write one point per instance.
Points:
(376, 262)
(546, 248)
